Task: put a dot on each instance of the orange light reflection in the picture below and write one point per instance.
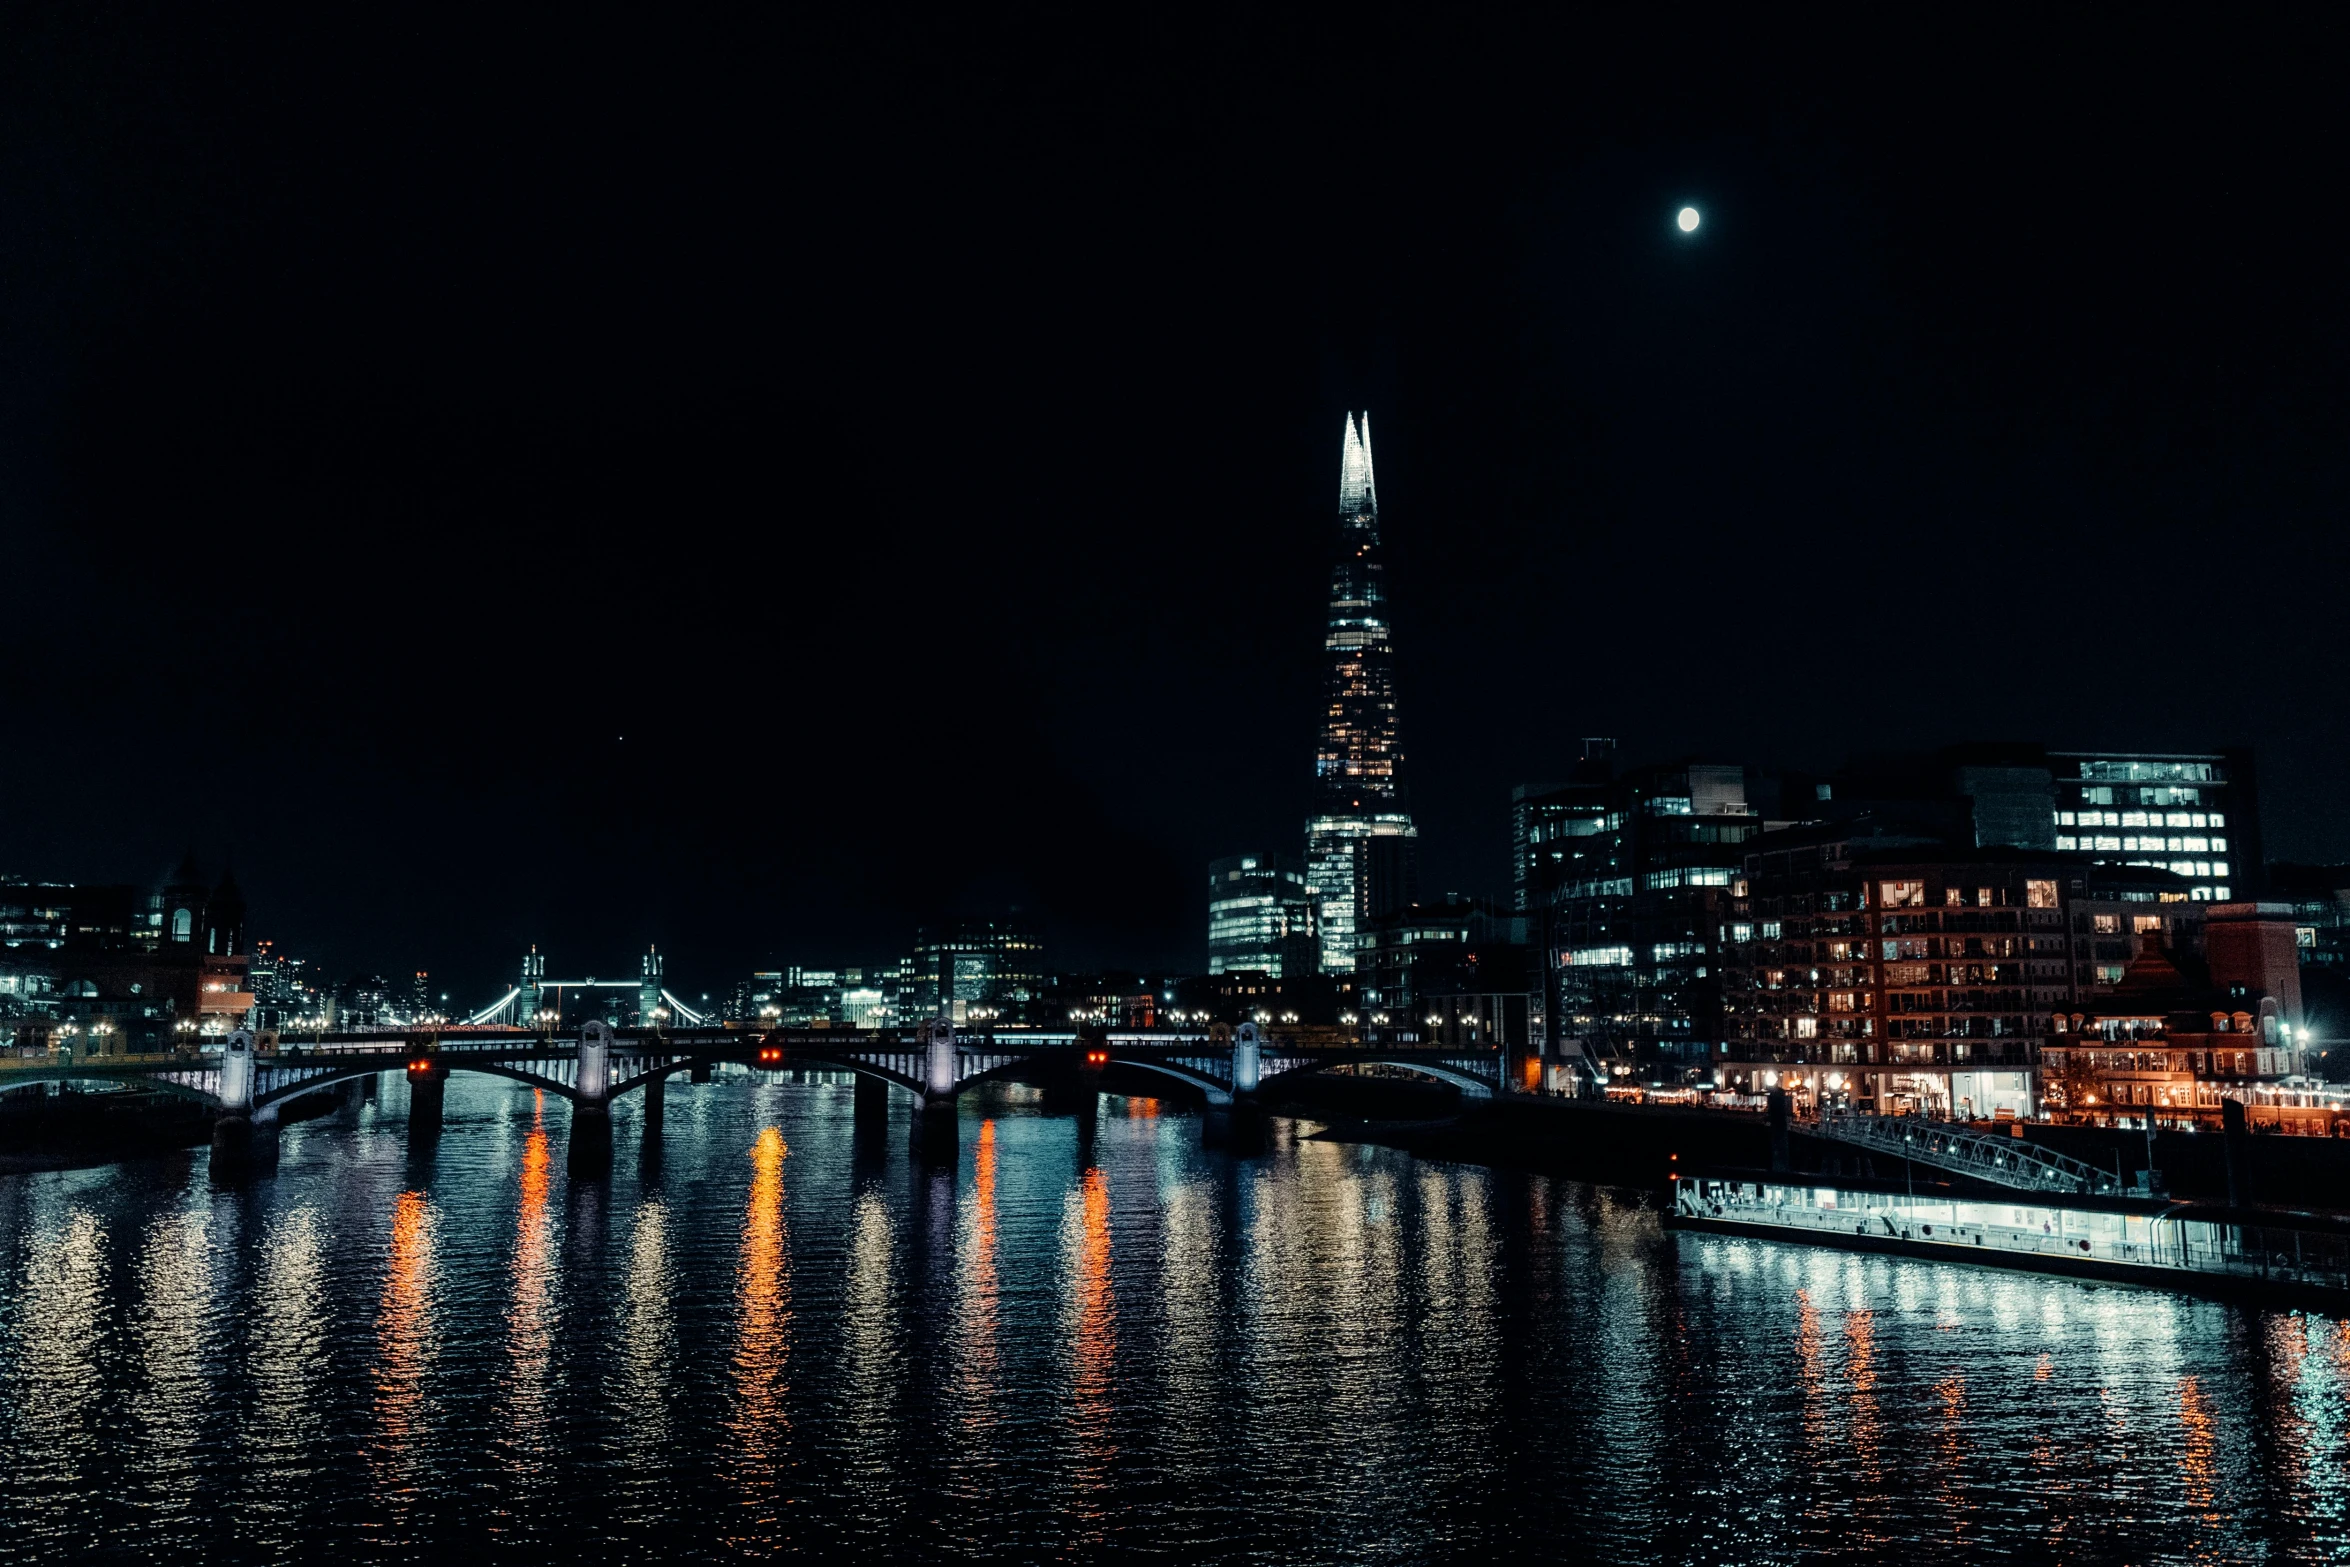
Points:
(403, 1346)
(1094, 1352)
(762, 1354)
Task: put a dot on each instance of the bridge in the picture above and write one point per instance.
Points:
(524, 1005)
(249, 1080)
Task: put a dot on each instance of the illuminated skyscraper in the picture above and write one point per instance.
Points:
(1361, 847)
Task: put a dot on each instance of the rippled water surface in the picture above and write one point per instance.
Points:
(779, 1339)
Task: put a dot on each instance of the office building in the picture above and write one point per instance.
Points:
(1261, 916)
(2196, 815)
(1626, 881)
(977, 971)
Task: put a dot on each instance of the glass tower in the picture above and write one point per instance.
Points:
(1358, 790)
(1261, 917)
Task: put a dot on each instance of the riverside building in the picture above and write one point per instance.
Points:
(1861, 971)
(1626, 882)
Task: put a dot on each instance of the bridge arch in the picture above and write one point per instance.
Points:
(311, 1085)
(88, 1073)
(1217, 1094)
(1471, 1086)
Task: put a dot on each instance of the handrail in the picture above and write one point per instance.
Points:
(2003, 1161)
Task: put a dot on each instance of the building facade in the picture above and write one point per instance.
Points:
(1627, 882)
(1361, 847)
(1912, 978)
(2182, 1031)
(974, 971)
(1261, 916)
(2196, 815)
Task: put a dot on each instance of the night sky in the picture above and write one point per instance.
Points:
(752, 489)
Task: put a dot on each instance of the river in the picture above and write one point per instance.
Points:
(775, 1338)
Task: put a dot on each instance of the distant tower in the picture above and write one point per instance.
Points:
(176, 909)
(1358, 788)
(648, 987)
(224, 918)
(532, 986)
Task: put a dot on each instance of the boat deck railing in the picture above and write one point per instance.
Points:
(2160, 1243)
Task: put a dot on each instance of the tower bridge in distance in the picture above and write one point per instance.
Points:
(248, 1079)
(525, 1006)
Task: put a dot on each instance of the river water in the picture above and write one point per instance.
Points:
(778, 1339)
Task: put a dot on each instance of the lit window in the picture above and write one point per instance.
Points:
(2064, 818)
(1982, 897)
(2218, 868)
(2192, 845)
(2067, 841)
(2041, 894)
(1807, 1028)
(2134, 818)
(2106, 924)
(2219, 845)
(2108, 844)
(2218, 820)
(1902, 894)
(1952, 897)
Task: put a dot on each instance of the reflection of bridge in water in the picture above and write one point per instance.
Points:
(246, 1083)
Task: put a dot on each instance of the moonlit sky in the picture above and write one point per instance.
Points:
(919, 439)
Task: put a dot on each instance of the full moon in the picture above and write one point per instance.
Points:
(1687, 220)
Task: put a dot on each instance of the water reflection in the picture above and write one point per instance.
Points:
(1860, 1363)
(1092, 1336)
(976, 1359)
(1309, 1352)
(58, 1323)
(532, 1313)
(289, 1345)
(175, 1308)
(648, 1339)
(761, 1419)
(404, 1345)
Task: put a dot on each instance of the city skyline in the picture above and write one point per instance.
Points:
(378, 573)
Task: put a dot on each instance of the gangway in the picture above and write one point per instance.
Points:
(2003, 1161)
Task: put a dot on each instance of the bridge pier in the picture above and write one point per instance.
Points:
(232, 1143)
(872, 1100)
(1247, 1061)
(589, 1153)
(428, 1091)
(936, 1137)
(700, 1072)
(232, 1132)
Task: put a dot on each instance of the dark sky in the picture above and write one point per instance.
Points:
(749, 487)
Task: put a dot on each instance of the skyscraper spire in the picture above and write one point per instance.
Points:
(1359, 841)
(1358, 491)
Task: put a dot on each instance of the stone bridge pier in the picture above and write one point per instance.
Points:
(935, 1135)
(233, 1129)
(428, 1093)
(590, 1152)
